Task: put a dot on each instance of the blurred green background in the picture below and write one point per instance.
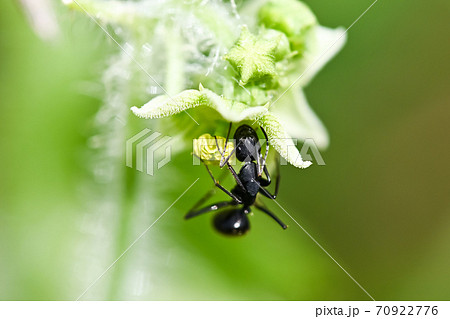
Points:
(380, 207)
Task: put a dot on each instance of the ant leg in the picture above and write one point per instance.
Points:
(222, 164)
(216, 183)
(235, 175)
(226, 141)
(211, 192)
(193, 213)
(266, 182)
(268, 212)
(222, 160)
(225, 148)
(267, 146)
(258, 163)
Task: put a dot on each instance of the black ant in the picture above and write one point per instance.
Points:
(234, 221)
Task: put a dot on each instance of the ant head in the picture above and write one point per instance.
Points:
(247, 144)
(233, 222)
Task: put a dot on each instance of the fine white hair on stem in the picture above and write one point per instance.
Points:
(42, 18)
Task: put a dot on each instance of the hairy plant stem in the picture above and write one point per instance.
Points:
(175, 75)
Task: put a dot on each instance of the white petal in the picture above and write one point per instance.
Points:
(323, 44)
(281, 141)
(299, 119)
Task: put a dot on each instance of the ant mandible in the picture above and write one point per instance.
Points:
(250, 182)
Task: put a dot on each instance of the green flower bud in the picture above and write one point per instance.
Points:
(291, 17)
(283, 47)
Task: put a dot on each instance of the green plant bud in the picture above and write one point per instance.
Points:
(291, 17)
(283, 47)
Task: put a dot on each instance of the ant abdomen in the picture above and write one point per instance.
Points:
(232, 222)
